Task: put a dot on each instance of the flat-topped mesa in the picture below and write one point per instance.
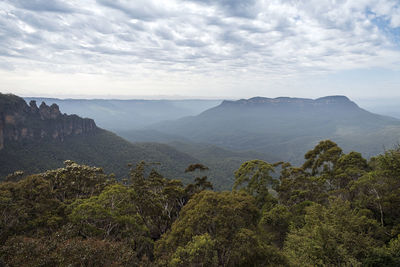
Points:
(262, 101)
(21, 122)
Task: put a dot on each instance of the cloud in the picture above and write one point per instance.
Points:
(236, 8)
(44, 5)
(140, 9)
(224, 38)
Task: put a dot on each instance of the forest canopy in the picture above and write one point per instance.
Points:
(336, 209)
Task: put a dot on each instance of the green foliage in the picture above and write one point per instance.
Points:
(158, 199)
(201, 251)
(332, 236)
(349, 168)
(335, 210)
(322, 159)
(229, 219)
(101, 149)
(379, 190)
(76, 181)
(255, 178)
(297, 186)
(111, 215)
(275, 222)
(27, 207)
(24, 251)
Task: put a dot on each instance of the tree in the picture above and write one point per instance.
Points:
(158, 200)
(112, 216)
(325, 169)
(230, 219)
(332, 236)
(201, 183)
(254, 178)
(275, 223)
(379, 190)
(298, 186)
(76, 181)
(200, 251)
(323, 158)
(349, 168)
(28, 206)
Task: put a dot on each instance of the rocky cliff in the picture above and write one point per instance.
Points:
(20, 122)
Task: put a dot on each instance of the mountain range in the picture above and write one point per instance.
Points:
(222, 136)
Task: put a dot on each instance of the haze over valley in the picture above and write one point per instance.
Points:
(174, 133)
(283, 127)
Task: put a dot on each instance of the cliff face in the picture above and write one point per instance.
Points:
(21, 122)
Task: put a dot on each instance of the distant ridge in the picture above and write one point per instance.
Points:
(286, 127)
(263, 100)
(292, 102)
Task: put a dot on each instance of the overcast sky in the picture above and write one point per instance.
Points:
(200, 48)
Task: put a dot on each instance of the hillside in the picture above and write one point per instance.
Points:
(222, 163)
(285, 127)
(36, 139)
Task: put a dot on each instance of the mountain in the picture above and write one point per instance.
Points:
(286, 127)
(34, 139)
(122, 115)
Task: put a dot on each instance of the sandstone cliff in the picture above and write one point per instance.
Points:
(20, 122)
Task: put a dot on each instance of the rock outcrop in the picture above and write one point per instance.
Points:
(20, 122)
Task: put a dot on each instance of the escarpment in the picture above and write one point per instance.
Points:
(20, 122)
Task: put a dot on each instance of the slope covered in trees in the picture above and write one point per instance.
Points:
(335, 209)
(102, 149)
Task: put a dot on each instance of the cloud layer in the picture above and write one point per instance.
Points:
(207, 38)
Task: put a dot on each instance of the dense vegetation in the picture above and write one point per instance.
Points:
(113, 153)
(100, 149)
(335, 210)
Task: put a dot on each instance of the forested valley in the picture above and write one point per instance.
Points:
(336, 209)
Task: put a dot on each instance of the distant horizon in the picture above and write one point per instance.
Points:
(385, 105)
(188, 97)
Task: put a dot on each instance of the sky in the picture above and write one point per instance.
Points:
(200, 48)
